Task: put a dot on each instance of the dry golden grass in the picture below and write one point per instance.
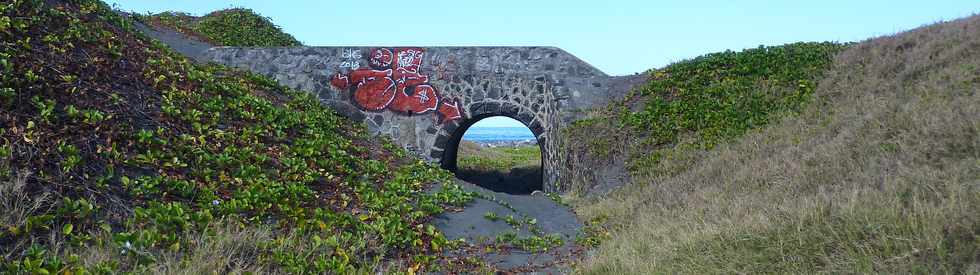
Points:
(17, 204)
(880, 174)
(469, 148)
(225, 248)
(229, 249)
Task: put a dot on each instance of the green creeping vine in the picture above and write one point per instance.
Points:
(699, 103)
(143, 149)
(236, 27)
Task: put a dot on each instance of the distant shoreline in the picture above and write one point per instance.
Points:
(504, 143)
(500, 136)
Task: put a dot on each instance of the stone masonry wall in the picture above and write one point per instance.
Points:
(425, 97)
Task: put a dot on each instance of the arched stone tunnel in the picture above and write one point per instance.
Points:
(450, 146)
(426, 97)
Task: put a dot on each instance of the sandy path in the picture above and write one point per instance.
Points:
(551, 218)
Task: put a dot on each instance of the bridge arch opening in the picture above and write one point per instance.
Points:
(500, 157)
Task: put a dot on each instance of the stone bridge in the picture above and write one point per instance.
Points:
(425, 98)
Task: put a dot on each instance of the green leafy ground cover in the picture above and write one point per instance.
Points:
(699, 103)
(236, 27)
(118, 155)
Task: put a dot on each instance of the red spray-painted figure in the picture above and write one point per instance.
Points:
(394, 82)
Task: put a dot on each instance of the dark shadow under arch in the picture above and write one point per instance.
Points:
(451, 150)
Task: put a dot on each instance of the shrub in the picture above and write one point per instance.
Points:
(231, 27)
(243, 28)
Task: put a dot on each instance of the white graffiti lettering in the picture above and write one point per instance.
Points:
(424, 96)
(353, 64)
(352, 59)
(350, 54)
(407, 58)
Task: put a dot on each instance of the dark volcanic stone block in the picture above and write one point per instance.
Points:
(530, 84)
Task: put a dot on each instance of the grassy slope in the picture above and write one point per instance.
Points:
(515, 170)
(694, 105)
(117, 154)
(231, 27)
(880, 173)
(476, 158)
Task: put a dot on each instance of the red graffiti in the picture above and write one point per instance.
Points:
(394, 82)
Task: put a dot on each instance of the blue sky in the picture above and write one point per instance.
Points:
(617, 36)
(498, 121)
